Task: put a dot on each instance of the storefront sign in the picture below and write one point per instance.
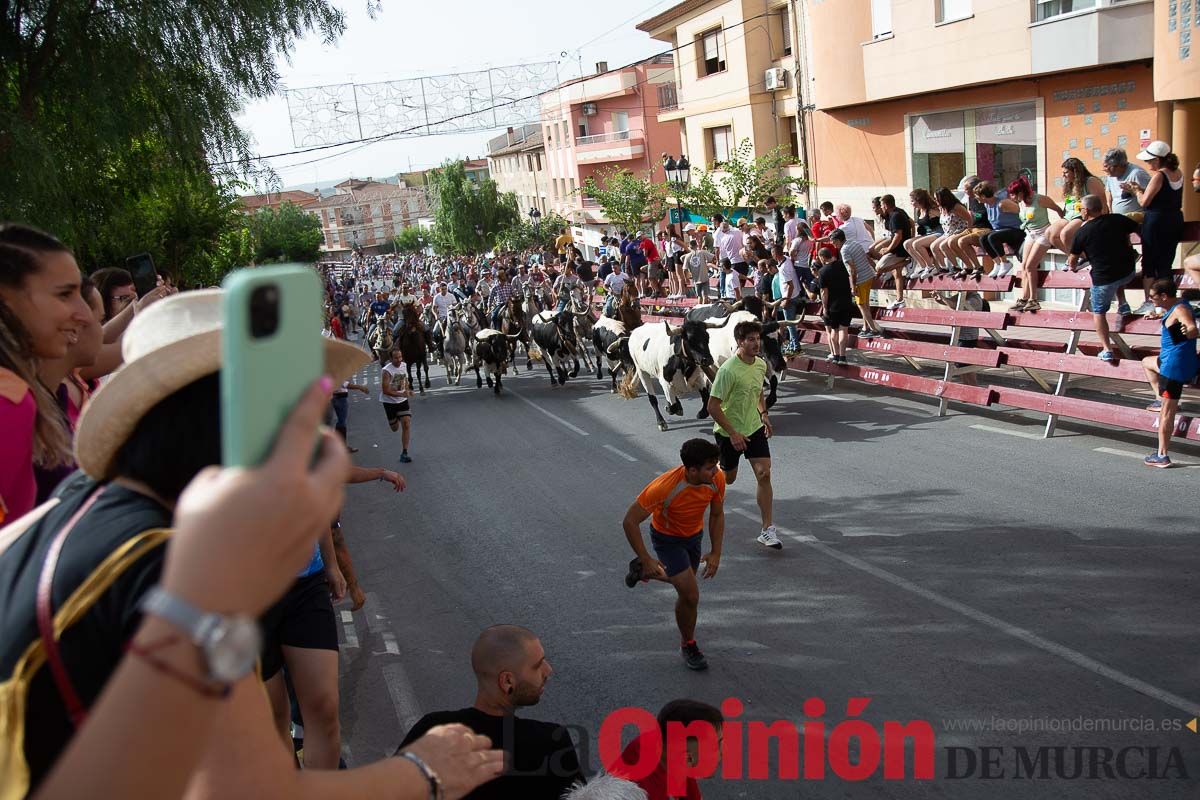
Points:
(1015, 124)
(938, 133)
(1102, 90)
(1144, 137)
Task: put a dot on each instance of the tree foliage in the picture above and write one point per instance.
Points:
(468, 217)
(286, 234)
(115, 117)
(626, 199)
(744, 180)
(524, 235)
(409, 239)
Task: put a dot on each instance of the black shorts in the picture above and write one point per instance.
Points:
(742, 268)
(677, 553)
(395, 411)
(757, 446)
(1169, 389)
(303, 617)
(837, 318)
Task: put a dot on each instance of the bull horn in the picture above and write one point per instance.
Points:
(516, 335)
(670, 330)
(736, 306)
(708, 323)
(615, 346)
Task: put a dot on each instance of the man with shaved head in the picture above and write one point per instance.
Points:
(511, 671)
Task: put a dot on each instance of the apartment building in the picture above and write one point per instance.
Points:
(252, 203)
(516, 161)
(608, 119)
(914, 93)
(366, 214)
(735, 71)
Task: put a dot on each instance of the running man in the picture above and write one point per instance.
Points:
(741, 426)
(394, 394)
(675, 502)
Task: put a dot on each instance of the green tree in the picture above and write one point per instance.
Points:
(626, 199)
(743, 180)
(468, 218)
(286, 234)
(89, 87)
(523, 234)
(408, 240)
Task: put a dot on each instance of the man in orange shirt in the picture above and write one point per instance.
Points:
(675, 503)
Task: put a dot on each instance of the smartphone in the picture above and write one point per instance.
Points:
(145, 276)
(271, 352)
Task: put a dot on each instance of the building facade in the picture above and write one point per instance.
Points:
(517, 162)
(365, 215)
(610, 119)
(735, 75)
(252, 203)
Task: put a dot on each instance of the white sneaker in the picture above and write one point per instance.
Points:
(1004, 269)
(770, 538)
(896, 305)
(995, 273)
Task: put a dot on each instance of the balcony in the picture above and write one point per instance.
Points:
(1108, 32)
(615, 146)
(668, 97)
(600, 87)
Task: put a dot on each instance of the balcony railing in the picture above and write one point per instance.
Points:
(615, 136)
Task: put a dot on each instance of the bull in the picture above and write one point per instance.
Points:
(678, 359)
(723, 347)
(492, 353)
(609, 337)
(555, 335)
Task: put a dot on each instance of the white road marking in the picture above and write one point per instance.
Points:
(1112, 451)
(621, 453)
(348, 629)
(552, 416)
(1007, 431)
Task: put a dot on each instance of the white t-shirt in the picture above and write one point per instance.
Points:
(856, 229)
(791, 228)
(442, 303)
(800, 251)
(397, 375)
(615, 283)
(733, 282)
(787, 274)
(729, 245)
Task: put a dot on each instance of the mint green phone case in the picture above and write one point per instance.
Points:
(263, 378)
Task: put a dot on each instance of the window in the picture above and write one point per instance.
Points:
(881, 18)
(1053, 8)
(548, 136)
(583, 129)
(711, 57)
(1002, 145)
(566, 133)
(793, 136)
(785, 28)
(620, 122)
(950, 10)
(720, 143)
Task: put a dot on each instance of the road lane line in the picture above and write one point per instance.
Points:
(552, 416)
(1007, 431)
(348, 630)
(1188, 707)
(1112, 451)
(621, 453)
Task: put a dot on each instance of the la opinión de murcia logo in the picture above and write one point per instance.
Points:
(742, 749)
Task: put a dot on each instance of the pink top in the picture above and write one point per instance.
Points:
(18, 415)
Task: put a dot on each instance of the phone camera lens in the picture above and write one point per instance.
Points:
(264, 311)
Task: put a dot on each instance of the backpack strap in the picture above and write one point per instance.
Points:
(675, 490)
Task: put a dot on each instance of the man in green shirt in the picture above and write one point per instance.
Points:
(742, 427)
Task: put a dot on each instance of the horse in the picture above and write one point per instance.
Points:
(515, 319)
(457, 340)
(380, 339)
(410, 338)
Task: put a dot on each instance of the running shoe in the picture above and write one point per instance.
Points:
(1019, 305)
(693, 657)
(896, 305)
(1124, 310)
(404, 459)
(1106, 356)
(1144, 308)
(1156, 406)
(995, 273)
(867, 334)
(1157, 461)
(1032, 305)
(1005, 270)
(770, 538)
(831, 358)
(841, 361)
(635, 573)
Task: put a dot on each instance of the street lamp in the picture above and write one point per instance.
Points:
(679, 176)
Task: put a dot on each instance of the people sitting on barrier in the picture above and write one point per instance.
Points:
(1118, 171)
(1036, 223)
(890, 252)
(1104, 238)
(964, 243)
(929, 229)
(1078, 182)
(1005, 218)
(1162, 226)
(1175, 365)
(954, 218)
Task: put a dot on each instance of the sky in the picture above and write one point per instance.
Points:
(409, 39)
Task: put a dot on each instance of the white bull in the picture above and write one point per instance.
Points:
(677, 358)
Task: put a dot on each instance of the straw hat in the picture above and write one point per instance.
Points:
(169, 345)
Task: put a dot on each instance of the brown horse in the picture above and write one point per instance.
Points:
(410, 338)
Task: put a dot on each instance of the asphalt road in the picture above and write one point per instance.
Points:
(956, 570)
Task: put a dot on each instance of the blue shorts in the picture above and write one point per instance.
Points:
(677, 553)
(1102, 296)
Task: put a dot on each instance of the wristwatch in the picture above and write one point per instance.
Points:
(231, 644)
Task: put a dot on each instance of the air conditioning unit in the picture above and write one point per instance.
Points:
(589, 109)
(775, 78)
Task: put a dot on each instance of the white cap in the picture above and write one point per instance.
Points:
(1156, 149)
(689, 227)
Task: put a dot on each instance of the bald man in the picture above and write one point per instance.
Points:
(511, 671)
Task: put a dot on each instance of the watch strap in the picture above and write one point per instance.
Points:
(177, 611)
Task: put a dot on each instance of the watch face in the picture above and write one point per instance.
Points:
(232, 648)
